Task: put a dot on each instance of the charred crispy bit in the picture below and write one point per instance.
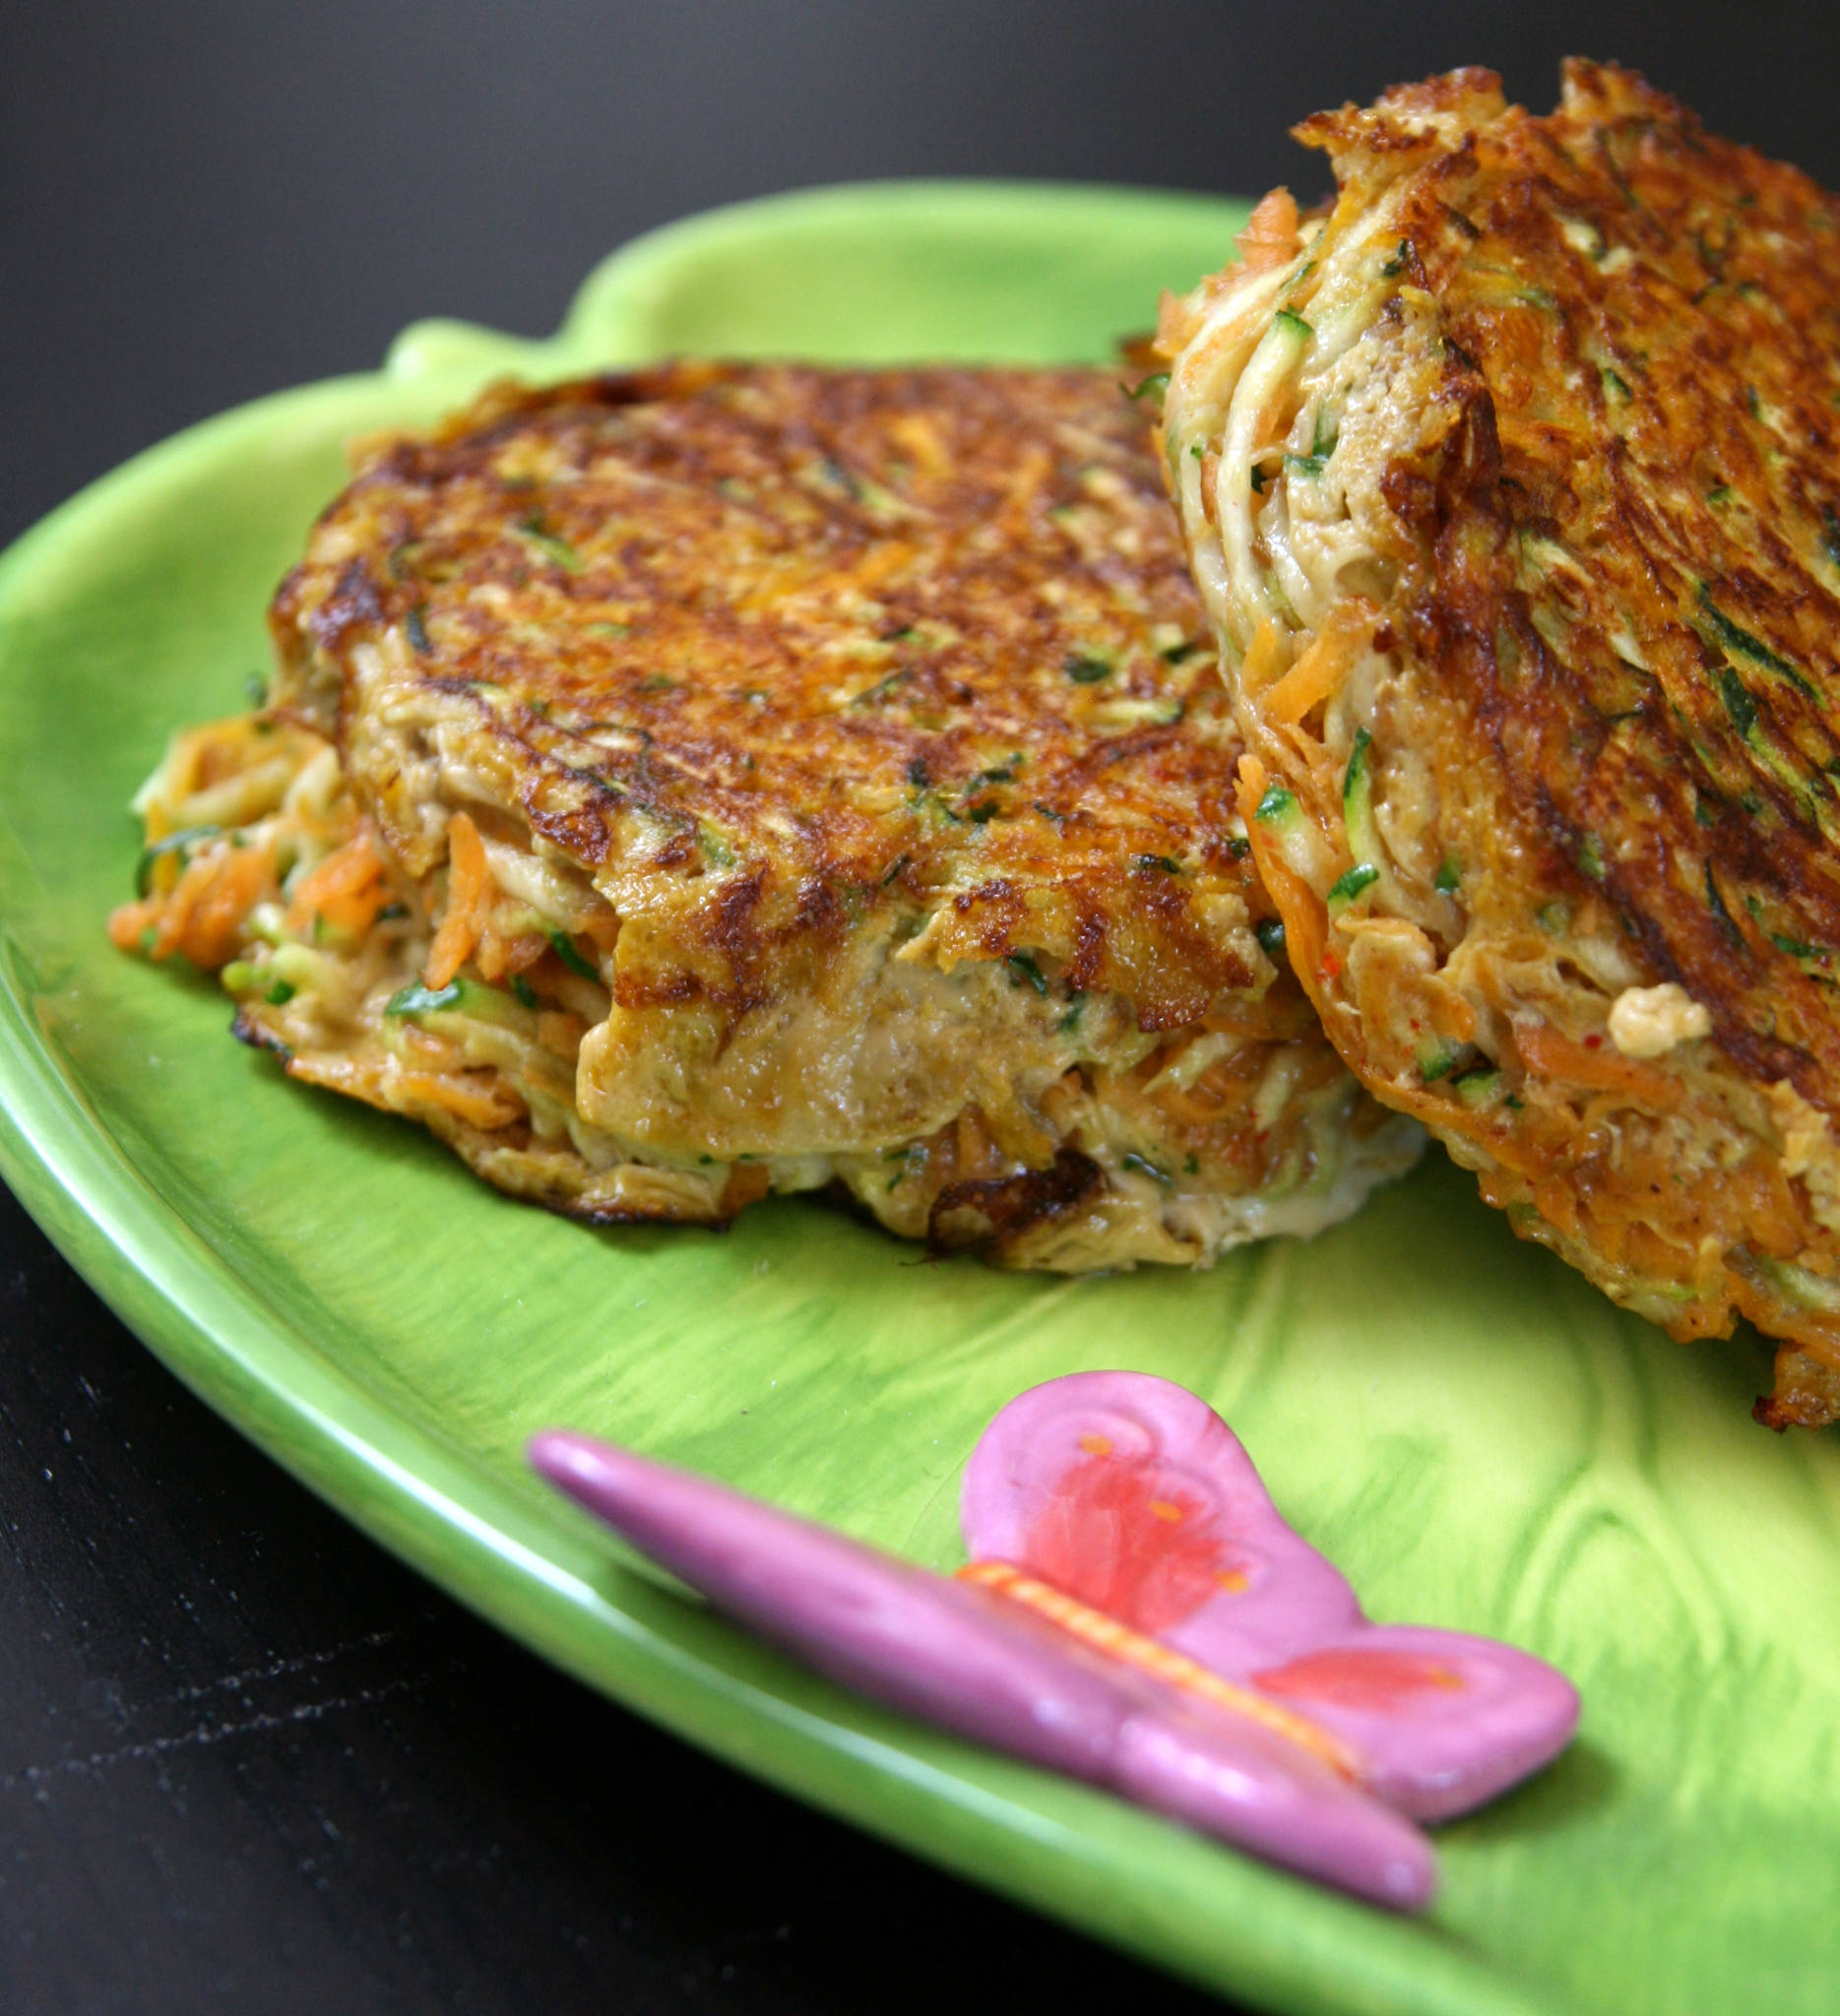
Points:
(1513, 485)
(716, 780)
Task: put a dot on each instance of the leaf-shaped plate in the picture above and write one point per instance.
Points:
(1474, 1435)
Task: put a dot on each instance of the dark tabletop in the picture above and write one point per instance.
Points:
(246, 1759)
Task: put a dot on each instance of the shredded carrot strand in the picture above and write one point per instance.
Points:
(1554, 1055)
(483, 1110)
(1297, 904)
(346, 889)
(467, 878)
(202, 917)
(242, 877)
(1270, 234)
(1321, 670)
(129, 921)
(1263, 658)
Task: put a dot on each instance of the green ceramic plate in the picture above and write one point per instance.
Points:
(1468, 1429)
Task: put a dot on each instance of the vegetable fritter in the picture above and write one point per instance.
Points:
(721, 780)
(1513, 485)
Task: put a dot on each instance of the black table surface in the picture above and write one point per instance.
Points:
(248, 1760)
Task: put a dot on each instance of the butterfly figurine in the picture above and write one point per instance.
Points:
(1134, 1613)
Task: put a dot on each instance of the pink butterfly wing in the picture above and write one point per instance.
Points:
(1134, 1496)
(983, 1666)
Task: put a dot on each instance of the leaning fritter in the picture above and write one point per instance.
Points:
(1513, 486)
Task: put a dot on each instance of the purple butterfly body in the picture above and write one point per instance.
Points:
(1138, 1615)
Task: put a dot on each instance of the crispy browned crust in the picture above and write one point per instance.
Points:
(1709, 369)
(1613, 624)
(839, 756)
(832, 624)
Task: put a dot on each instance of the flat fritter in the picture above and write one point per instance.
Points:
(744, 779)
(1513, 487)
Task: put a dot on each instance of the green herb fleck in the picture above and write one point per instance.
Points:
(173, 842)
(1591, 857)
(1276, 804)
(1084, 670)
(1436, 1064)
(1396, 265)
(1153, 386)
(1145, 1167)
(557, 551)
(1363, 875)
(1739, 702)
(873, 696)
(416, 999)
(1616, 382)
(1748, 646)
(1069, 1021)
(1312, 466)
(900, 862)
(1159, 861)
(1027, 972)
(281, 993)
(416, 624)
(1268, 932)
(570, 957)
(1292, 324)
(524, 990)
(1449, 877)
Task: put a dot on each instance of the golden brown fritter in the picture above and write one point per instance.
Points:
(1513, 487)
(760, 778)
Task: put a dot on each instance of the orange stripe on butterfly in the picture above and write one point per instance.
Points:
(1106, 1634)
